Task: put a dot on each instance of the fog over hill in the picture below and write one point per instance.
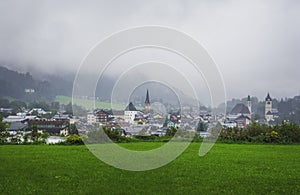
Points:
(25, 87)
(47, 86)
(14, 82)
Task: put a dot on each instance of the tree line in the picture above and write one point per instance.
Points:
(284, 133)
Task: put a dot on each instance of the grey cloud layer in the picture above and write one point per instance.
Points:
(255, 43)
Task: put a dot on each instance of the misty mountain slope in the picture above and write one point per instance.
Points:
(47, 87)
(13, 84)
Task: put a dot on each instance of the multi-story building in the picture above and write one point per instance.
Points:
(101, 117)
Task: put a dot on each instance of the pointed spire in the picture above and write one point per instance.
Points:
(268, 98)
(147, 101)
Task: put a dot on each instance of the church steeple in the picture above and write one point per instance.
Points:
(147, 103)
(268, 98)
(249, 105)
(268, 108)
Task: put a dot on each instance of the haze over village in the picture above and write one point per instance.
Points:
(144, 114)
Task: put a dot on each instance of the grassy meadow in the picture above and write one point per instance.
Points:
(89, 104)
(227, 168)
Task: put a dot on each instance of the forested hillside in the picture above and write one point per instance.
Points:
(13, 84)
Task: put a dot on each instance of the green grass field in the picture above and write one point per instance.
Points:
(89, 104)
(227, 168)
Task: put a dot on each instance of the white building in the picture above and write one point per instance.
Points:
(229, 124)
(130, 113)
(91, 118)
(39, 111)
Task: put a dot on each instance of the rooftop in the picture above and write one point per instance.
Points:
(130, 107)
(240, 109)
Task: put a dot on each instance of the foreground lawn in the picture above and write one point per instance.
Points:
(227, 168)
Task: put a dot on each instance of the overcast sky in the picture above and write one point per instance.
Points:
(256, 44)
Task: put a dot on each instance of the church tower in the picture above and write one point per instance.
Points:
(147, 103)
(268, 108)
(249, 104)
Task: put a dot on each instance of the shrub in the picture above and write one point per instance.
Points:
(171, 131)
(102, 135)
(74, 139)
(284, 133)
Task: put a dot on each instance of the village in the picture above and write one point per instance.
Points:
(132, 121)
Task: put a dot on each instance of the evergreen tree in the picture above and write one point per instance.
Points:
(201, 126)
(3, 132)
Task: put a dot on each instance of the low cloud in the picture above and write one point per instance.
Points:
(254, 43)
